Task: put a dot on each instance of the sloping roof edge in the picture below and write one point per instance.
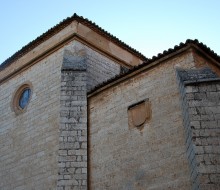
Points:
(57, 28)
(189, 43)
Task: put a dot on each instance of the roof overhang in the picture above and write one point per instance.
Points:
(192, 46)
(78, 29)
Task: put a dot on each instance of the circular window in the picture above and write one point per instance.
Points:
(24, 98)
(21, 98)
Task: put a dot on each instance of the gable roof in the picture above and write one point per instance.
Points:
(57, 28)
(189, 43)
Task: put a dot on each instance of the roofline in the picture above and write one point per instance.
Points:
(74, 36)
(182, 47)
(57, 28)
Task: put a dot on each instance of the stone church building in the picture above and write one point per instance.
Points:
(80, 109)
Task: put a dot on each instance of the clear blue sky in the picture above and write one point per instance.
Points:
(149, 26)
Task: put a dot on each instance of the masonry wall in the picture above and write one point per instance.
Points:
(29, 141)
(129, 158)
(73, 131)
(46, 146)
(201, 109)
(99, 68)
(204, 114)
(82, 69)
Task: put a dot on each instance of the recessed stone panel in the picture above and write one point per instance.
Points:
(138, 114)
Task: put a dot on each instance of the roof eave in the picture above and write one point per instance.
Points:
(188, 45)
(57, 28)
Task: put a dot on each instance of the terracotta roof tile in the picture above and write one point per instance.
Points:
(57, 28)
(188, 42)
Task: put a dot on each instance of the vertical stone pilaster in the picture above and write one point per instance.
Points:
(201, 115)
(72, 158)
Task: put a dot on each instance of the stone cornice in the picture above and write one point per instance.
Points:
(74, 31)
(62, 25)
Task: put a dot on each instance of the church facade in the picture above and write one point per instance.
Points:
(82, 110)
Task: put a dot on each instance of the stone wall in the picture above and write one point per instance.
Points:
(73, 131)
(46, 146)
(150, 157)
(29, 141)
(73, 123)
(99, 67)
(82, 69)
(200, 90)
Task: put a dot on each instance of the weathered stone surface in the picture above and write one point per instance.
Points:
(127, 158)
(99, 68)
(49, 141)
(73, 137)
(82, 69)
(47, 145)
(201, 107)
(74, 60)
(29, 141)
(195, 75)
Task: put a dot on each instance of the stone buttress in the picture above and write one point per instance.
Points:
(72, 158)
(200, 97)
(82, 69)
